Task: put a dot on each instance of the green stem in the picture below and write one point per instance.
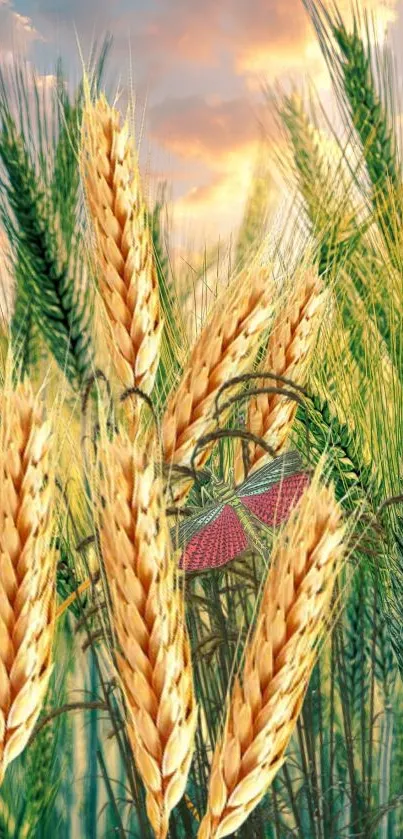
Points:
(91, 812)
(385, 767)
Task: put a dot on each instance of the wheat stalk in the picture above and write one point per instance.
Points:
(153, 658)
(27, 570)
(128, 278)
(265, 705)
(289, 350)
(225, 348)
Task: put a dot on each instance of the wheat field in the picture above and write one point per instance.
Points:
(201, 540)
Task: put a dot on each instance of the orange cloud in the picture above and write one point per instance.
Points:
(195, 128)
(188, 30)
(214, 210)
(281, 26)
(279, 37)
(222, 134)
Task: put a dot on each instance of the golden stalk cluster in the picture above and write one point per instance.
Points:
(27, 569)
(265, 704)
(127, 273)
(153, 653)
(289, 351)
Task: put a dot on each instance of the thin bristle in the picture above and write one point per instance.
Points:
(289, 351)
(225, 348)
(27, 570)
(153, 659)
(127, 277)
(266, 702)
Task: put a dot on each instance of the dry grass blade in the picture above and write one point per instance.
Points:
(128, 278)
(265, 704)
(289, 351)
(225, 348)
(27, 570)
(153, 658)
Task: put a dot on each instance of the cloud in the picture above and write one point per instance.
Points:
(196, 127)
(266, 36)
(263, 36)
(16, 31)
(273, 24)
(184, 50)
(159, 33)
(223, 135)
(279, 36)
(215, 209)
(185, 30)
(188, 30)
(87, 15)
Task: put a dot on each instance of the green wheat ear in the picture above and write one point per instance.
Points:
(331, 221)
(173, 336)
(25, 336)
(370, 120)
(346, 256)
(351, 477)
(363, 80)
(40, 793)
(357, 633)
(61, 318)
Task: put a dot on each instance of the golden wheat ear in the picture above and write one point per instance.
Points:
(27, 569)
(225, 348)
(152, 653)
(289, 351)
(127, 273)
(266, 701)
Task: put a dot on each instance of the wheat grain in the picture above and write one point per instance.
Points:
(27, 570)
(264, 706)
(289, 350)
(153, 658)
(225, 348)
(128, 277)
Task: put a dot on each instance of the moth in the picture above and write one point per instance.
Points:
(229, 524)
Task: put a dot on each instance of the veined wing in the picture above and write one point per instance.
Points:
(274, 506)
(184, 532)
(281, 467)
(214, 542)
(271, 492)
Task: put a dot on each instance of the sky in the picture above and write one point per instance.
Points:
(197, 70)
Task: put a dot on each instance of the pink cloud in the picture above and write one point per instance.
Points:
(185, 30)
(274, 22)
(198, 33)
(193, 127)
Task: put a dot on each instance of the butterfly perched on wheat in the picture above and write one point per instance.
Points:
(228, 525)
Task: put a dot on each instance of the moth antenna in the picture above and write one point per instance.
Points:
(136, 391)
(180, 511)
(243, 397)
(389, 502)
(234, 433)
(99, 375)
(197, 475)
(246, 377)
